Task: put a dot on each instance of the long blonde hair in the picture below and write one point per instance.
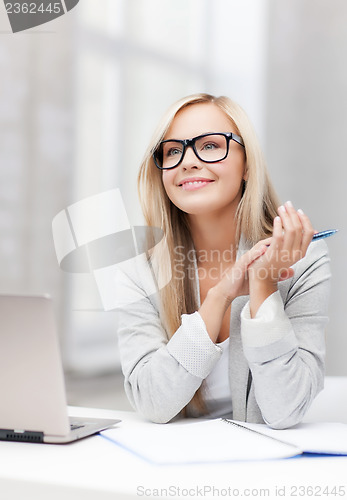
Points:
(255, 212)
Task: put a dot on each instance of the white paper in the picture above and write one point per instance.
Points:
(324, 437)
(198, 442)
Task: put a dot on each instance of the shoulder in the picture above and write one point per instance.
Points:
(136, 270)
(126, 283)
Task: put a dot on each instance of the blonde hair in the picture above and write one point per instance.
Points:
(255, 212)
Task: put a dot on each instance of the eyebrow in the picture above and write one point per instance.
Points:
(203, 133)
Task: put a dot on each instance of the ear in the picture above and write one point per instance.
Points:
(245, 175)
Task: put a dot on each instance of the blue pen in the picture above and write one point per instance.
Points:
(324, 234)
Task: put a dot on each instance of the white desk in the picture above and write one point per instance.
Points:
(97, 469)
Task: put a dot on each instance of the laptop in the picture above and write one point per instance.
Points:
(33, 404)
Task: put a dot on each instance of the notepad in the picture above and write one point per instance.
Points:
(194, 441)
(328, 438)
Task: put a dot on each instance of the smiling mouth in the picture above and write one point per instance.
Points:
(192, 185)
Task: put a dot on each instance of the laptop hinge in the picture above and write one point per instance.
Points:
(24, 436)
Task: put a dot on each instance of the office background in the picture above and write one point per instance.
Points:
(80, 97)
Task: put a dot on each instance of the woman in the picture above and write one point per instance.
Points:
(238, 331)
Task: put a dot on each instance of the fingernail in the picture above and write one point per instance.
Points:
(289, 203)
(301, 211)
(277, 218)
(281, 208)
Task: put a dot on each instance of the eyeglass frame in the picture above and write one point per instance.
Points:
(229, 136)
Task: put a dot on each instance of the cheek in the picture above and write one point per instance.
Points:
(168, 179)
(230, 173)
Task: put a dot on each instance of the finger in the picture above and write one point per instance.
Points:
(296, 224)
(286, 274)
(265, 241)
(277, 235)
(290, 228)
(287, 227)
(250, 256)
(308, 231)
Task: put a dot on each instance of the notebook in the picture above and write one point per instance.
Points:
(33, 399)
(323, 438)
(193, 441)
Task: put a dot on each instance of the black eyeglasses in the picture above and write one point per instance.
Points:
(209, 148)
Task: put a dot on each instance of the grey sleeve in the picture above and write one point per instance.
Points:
(285, 343)
(161, 375)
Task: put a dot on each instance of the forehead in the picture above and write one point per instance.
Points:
(198, 119)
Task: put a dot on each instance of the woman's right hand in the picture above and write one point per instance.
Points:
(234, 282)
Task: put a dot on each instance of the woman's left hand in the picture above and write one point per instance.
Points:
(292, 234)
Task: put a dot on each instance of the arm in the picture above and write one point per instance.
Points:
(161, 375)
(284, 343)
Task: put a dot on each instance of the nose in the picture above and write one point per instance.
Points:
(190, 160)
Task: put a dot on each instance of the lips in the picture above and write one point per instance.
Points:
(194, 183)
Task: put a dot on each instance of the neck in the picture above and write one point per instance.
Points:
(214, 236)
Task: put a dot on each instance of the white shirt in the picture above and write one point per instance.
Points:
(216, 386)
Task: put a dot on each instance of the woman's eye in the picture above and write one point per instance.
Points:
(173, 152)
(209, 146)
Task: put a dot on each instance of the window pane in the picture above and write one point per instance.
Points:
(174, 28)
(106, 16)
(98, 103)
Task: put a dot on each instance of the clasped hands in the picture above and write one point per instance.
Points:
(270, 260)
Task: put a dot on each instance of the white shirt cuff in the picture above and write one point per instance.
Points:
(269, 325)
(192, 346)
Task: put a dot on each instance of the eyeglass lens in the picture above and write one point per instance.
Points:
(209, 148)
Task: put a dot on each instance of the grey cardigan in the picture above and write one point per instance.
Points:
(276, 361)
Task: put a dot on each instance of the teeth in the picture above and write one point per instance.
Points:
(191, 183)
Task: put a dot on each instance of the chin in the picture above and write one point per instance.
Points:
(199, 209)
